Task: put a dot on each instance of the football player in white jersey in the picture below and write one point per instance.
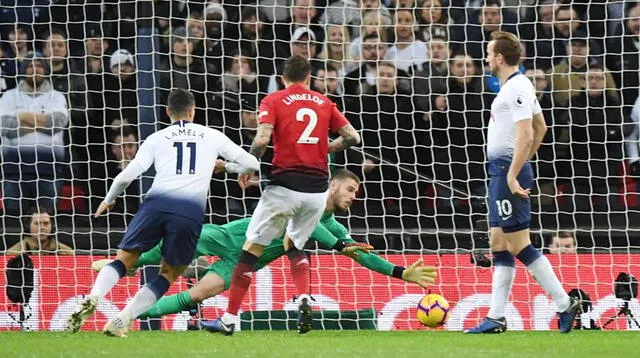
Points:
(516, 129)
(183, 155)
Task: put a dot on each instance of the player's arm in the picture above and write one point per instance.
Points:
(523, 109)
(140, 164)
(235, 155)
(524, 142)
(348, 138)
(262, 139)
(348, 135)
(539, 131)
(416, 273)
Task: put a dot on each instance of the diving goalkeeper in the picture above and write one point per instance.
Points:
(226, 241)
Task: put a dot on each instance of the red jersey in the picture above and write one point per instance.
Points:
(301, 120)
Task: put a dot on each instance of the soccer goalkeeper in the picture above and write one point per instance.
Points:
(226, 241)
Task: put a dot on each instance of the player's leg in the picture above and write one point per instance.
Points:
(503, 275)
(504, 263)
(142, 234)
(268, 222)
(144, 298)
(216, 280)
(539, 267)
(180, 238)
(302, 224)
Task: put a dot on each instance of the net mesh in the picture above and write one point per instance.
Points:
(409, 75)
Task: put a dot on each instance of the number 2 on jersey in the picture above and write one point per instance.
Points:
(192, 157)
(305, 137)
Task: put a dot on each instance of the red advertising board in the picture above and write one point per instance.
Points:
(339, 283)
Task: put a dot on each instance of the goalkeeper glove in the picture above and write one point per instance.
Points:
(421, 275)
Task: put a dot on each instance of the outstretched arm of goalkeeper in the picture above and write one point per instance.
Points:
(416, 272)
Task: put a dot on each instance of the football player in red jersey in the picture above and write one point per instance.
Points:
(299, 121)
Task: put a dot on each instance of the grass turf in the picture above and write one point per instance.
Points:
(322, 344)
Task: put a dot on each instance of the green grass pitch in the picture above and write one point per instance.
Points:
(322, 344)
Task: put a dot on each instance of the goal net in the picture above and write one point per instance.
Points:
(83, 83)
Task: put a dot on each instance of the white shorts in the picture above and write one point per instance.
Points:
(280, 208)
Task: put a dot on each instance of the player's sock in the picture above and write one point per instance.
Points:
(503, 275)
(542, 271)
(147, 296)
(108, 277)
(170, 304)
(240, 282)
(299, 263)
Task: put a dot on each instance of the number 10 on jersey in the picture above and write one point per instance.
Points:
(192, 157)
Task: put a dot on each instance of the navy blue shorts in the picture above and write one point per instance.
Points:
(148, 227)
(506, 210)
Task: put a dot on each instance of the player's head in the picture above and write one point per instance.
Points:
(181, 105)
(297, 70)
(503, 51)
(344, 186)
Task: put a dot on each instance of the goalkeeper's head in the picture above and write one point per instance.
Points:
(181, 105)
(344, 187)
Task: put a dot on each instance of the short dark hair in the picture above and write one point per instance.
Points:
(507, 45)
(55, 31)
(373, 35)
(596, 65)
(326, 68)
(180, 101)
(296, 69)
(124, 131)
(564, 234)
(345, 174)
(38, 209)
(491, 3)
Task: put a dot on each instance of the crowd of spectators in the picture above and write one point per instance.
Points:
(409, 75)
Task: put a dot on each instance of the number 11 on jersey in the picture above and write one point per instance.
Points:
(192, 157)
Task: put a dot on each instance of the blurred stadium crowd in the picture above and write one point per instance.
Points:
(409, 74)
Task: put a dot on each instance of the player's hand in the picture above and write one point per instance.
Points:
(516, 189)
(243, 180)
(352, 249)
(421, 275)
(103, 208)
(220, 166)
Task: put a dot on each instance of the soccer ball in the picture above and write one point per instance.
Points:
(433, 310)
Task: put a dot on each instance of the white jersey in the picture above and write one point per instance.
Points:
(183, 155)
(515, 101)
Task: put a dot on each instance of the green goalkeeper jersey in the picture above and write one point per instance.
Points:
(226, 241)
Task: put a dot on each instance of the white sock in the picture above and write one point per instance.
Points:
(228, 318)
(500, 289)
(542, 271)
(107, 278)
(141, 302)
